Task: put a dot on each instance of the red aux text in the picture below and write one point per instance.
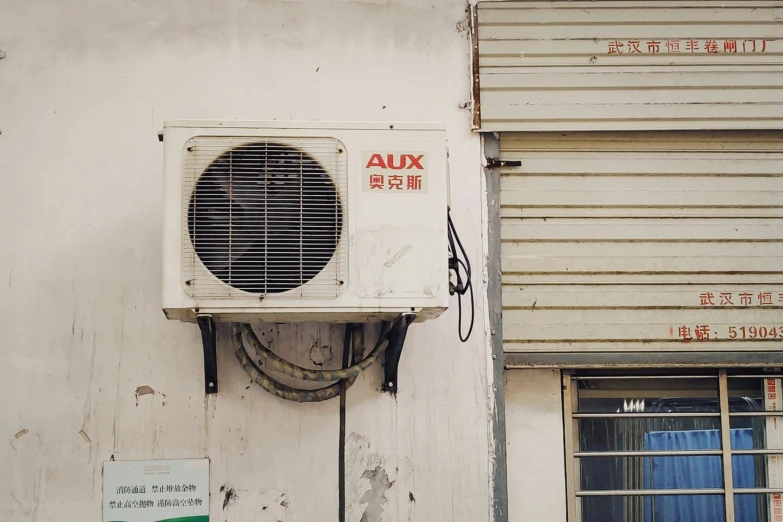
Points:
(396, 161)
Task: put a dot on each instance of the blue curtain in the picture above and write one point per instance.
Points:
(695, 473)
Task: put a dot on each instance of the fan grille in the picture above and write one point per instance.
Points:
(264, 216)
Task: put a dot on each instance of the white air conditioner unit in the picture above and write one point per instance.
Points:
(304, 221)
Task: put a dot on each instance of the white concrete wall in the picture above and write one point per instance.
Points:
(84, 88)
(536, 458)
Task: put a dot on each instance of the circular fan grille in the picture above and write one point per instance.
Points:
(265, 218)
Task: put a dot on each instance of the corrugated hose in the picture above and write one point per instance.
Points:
(344, 377)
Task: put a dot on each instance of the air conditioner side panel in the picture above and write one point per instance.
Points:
(174, 296)
(401, 230)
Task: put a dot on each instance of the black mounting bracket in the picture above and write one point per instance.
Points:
(209, 340)
(394, 351)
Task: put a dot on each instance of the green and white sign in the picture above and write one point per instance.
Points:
(156, 491)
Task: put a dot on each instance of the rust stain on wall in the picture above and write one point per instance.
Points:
(474, 62)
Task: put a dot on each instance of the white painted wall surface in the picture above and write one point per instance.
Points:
(84, 88)
(534, 433)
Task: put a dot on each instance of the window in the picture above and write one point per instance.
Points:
(696, 447)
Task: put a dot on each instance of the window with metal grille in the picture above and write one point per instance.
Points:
(662, 447)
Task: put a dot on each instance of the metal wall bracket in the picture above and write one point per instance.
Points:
(209, 341)
(394, 351)
(496, 163)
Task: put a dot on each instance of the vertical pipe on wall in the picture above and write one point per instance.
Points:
(491, 148)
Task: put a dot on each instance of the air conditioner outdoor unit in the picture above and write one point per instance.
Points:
(304, 221)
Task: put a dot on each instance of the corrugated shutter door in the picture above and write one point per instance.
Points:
(619, 65)
(642, 242)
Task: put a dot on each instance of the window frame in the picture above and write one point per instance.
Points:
(573, 456)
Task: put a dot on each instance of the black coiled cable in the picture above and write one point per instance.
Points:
(463, 285)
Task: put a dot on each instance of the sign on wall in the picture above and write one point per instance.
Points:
(156, 491)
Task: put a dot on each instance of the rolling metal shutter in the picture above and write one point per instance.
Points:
(641, 243)
(618, 65)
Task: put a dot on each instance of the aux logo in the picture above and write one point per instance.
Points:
(403, 161)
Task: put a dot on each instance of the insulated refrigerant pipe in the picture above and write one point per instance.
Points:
(345, 377)
(276, 363)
